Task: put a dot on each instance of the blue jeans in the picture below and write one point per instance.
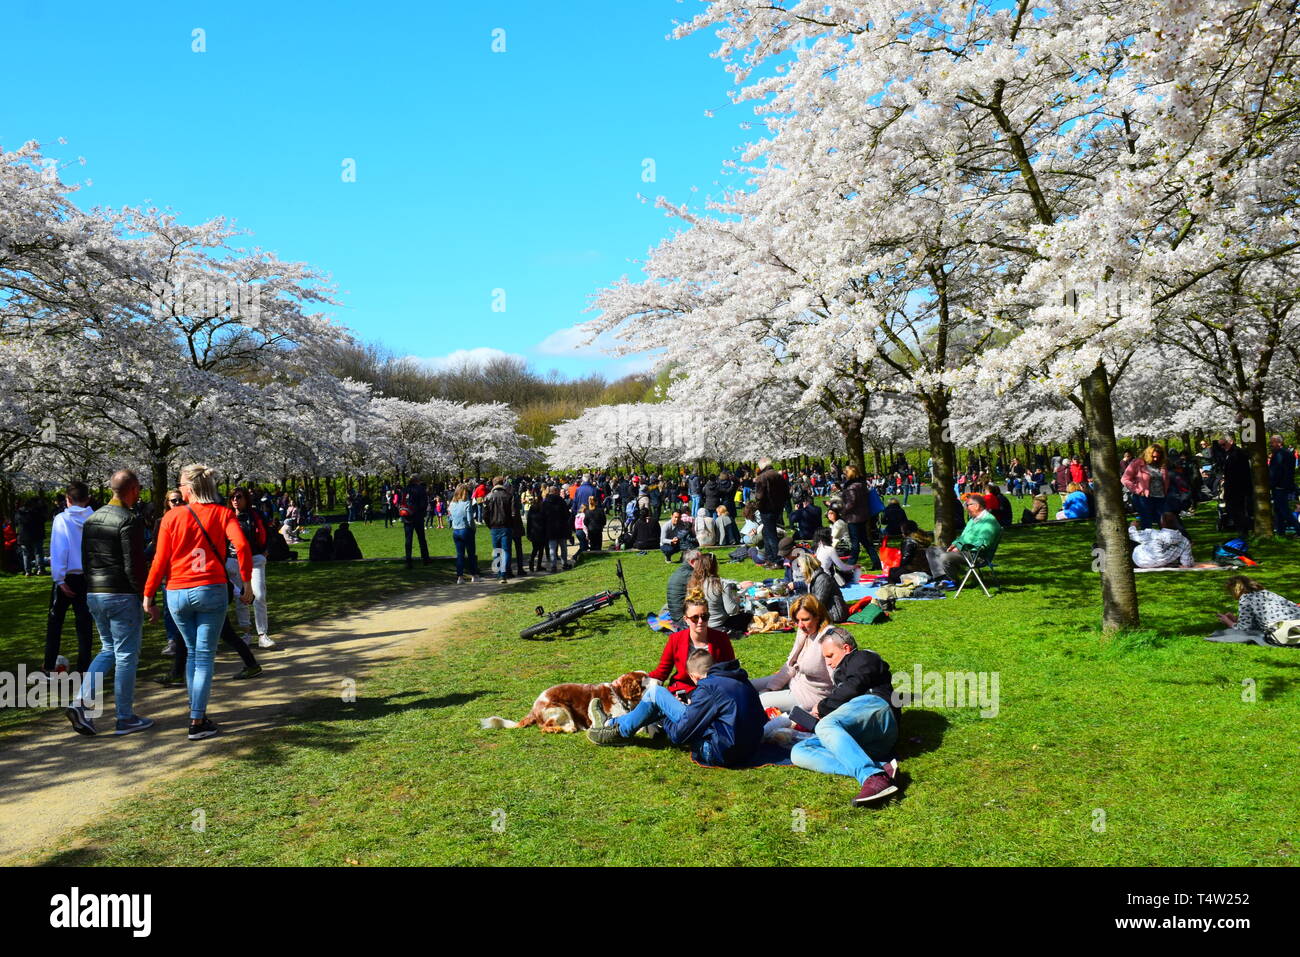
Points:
(119, 619)
(199, 613)
(854, 740)
(33, 558)
(657, 703)
(465, 551)
(1149, 510)
(501, 552)
(695, 505)
(860, 538)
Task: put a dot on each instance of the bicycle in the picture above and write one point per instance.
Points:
(566, 616)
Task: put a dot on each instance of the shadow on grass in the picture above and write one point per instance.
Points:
(920, 732)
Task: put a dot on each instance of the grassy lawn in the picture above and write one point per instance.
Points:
(1138, 750)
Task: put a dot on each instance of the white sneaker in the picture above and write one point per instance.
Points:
(264, 642)
(460, 579)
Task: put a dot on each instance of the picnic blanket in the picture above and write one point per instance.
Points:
(1238, 637)
(655, 623)
(855, 592)
(1198, 567)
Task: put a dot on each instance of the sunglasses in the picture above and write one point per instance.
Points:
(175, 501)
(696, 618)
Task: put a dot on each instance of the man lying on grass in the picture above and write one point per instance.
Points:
(856, 726)
(722, 725)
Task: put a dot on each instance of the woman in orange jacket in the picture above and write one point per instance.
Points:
(191, 554)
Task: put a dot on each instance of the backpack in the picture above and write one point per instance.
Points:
(1233, 553)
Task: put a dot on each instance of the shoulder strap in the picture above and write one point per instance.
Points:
(215, 551)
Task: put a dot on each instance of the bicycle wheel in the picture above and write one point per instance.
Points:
(557, 620)
(614, 530)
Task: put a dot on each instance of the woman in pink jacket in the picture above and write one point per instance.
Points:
(1147, 477)
(804, 679)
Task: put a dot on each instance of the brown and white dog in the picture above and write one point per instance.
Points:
(562, 709)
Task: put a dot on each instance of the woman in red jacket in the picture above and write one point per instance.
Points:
(190, 554)
(697, 634)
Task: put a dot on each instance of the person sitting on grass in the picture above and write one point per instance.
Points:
(912, 550)
(722, 724)
(1163, 547)
(982, 531)
(696, 634)
(645, 531)
(1075, 503)
(822, 587)
(857, 726)
(1263, 617)
(838, 568)
(892, 519)
(726, 613)
(674, 610)
(726, 531)
(1037, 512)
(803, 680)
(675, 536)
(807, 518)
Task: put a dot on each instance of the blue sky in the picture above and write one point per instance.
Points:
(475, 170)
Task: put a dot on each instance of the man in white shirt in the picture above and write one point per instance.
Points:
(69, 586)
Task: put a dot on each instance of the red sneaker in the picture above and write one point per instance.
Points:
(875, 788)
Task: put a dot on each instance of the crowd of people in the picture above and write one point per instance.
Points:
(820, 528)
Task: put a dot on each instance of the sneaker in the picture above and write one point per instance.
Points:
(478, 579)
(133, 723)
(204, 729)
(170, 650)
(596, 715)
(875, 788)
(891, 768)
(264, 642)
(460, 579)
(502, 581)
(606, 735)
(252, 671)
(80, 723)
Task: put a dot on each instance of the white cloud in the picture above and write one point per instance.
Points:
(565, 342)
(461, 357)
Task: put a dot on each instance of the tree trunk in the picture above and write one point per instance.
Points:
(1255, 442)
(946, 507)
(158, 482)
(854, 444)
(1119, 601)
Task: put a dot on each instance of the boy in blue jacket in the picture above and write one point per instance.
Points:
(723, 724)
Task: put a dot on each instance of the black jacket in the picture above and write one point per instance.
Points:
(857, 506)
(536, 524)
(772, 491)
(1282, 470)
(826, 591)
(557, 520)
(112, 551)
(416, 502)
(807, 520)
(498, 508)
(31, 525)
(860, 672)
(712, 496)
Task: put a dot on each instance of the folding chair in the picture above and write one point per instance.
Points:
(976, 558)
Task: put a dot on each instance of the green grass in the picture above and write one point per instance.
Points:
(1149, 729)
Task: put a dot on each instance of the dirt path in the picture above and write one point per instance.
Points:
(53, 780)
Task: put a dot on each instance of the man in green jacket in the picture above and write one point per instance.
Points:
(982, 531)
